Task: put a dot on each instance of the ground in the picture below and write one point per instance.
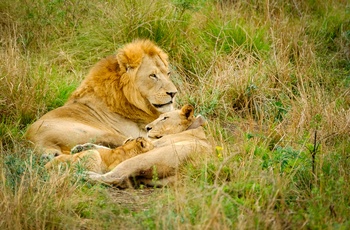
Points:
(134, 200)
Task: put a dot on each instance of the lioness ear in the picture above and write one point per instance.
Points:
(200, 121)
(187, 110)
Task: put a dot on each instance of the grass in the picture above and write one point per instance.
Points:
(272, 77)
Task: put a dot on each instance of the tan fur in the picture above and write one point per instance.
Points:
(171, 150)
(171, 122)
(120, 95)
(102, 160)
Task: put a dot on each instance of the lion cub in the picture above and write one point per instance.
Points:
(101, 159)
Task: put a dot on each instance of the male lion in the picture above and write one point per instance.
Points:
(171, 149)
(103, 159)
(120, 95)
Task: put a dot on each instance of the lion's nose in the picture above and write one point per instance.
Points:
(171, 94)
(148, 128)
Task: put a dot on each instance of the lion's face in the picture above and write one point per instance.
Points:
(171, 122)
(152, 82)
(140, 144)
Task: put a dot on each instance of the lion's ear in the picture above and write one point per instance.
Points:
(200, 121)
(187, 111)
(143, 144)
(122, 61)
(128, 140)
(141, 141)
(128, 60)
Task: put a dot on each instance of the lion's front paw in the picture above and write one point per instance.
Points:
(83, 147)
(46, 158)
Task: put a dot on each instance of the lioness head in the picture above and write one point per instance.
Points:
(140, 144)
(174, 122)
(146, 77)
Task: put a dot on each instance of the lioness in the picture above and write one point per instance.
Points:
(120, 95)
(171, 149)
(102, 160)
(174, 122)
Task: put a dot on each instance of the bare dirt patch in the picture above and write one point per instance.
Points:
(134, 200)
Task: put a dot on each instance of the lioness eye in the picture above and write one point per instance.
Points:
(153, 76)
(164, 118)
(169, 73)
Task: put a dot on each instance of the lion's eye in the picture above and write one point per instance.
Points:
(169, 73)
(164, 118)
(153, 76)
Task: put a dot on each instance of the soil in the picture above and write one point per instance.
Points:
(134, 200)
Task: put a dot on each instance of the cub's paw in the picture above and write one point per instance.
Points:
(83, 147)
